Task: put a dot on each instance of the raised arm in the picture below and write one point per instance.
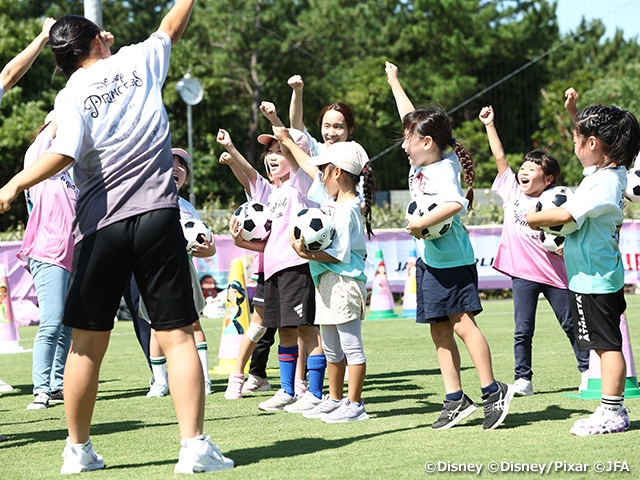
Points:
(295, 106)
(241, 168)
(18, 66)
(175, 22)
(487, 117)
(296, 157)
(268, 109)
(571, 103)
(402, 100)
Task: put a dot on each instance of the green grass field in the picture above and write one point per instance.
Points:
(138, 437)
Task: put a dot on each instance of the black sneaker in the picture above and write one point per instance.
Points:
(453, 412)
(56, 397)
(496, 406)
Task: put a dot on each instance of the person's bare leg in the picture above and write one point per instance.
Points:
(335, 372)
(81, 375)
(448, 355)
(356, 381)
(185, 379)
(246, 345)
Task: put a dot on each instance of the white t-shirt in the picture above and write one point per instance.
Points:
(112, 122)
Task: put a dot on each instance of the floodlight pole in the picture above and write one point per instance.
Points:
(93, 11)
(192, 192)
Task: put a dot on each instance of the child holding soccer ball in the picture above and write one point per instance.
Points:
(607, 140)
(338, 270)
(447, 279)
(533, 269)
(202, 249)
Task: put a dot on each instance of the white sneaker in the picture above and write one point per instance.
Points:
(523, 388)
(348, 412)
(4, 386)
(323, 408)
(40, 402)
(158, 390)
(255, 384)
(207, 387)
(80, 458)
(197, 456)
(280, 400)
(305, 403)
(602, 422)
(584, 381)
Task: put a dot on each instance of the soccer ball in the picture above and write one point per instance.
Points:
(633, 186)
(552, 198)
(316, 228)
(255, 221)
(195, 231)
(424, 204)
(551, 242)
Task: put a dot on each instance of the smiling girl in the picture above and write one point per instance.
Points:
(532, 268)
(607, 140)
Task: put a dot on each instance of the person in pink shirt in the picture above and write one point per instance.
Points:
(47, 252)
(534, 270)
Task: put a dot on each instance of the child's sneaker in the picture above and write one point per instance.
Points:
(40, 402)
(280, 400)
(207, 387)
(601, 422)
(56, 397)
(255, 384)
(303, 404)
(197, 456)
(80, 458)
(496, 406)
(453, 412)
(523, 387)
(158, 390)
(348, 412)
(584, 381)
(234, 387)
(323, 408)
(300, 388)
(4, 386)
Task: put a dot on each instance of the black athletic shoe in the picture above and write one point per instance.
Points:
(453, 412)
(496, 406)
(57, 397)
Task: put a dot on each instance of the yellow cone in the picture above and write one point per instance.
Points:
(235, 320)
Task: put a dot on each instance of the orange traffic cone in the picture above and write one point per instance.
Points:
(594, 388)
(235, 320)
(409, 298)
(9, 337)
(381, 305)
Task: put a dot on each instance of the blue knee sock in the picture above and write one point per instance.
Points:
(288, 359)
(316, 364)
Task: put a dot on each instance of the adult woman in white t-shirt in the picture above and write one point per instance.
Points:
(112, 124)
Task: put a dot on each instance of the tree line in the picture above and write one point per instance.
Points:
(460, 54)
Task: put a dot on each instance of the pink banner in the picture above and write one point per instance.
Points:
(395, 246)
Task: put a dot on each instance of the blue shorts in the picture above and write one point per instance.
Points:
(445, 291)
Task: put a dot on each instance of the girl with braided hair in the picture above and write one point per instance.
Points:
(607, 140)
(338, 271)
(446, 275)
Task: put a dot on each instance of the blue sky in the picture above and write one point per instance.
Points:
(623, 14)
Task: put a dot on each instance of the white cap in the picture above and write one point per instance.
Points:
(349, 156)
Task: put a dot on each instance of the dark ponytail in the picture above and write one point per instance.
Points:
(70, 40)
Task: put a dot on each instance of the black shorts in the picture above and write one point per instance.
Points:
(151, 246)
(596, 320)
(289, 298)
(445, 291)
(258, 297)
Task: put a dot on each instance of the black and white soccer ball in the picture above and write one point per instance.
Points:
(633, 186)
(255, 220)
(555, 197)
(423, 204)
(551, 242)
(195, 231)
(315, 227)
